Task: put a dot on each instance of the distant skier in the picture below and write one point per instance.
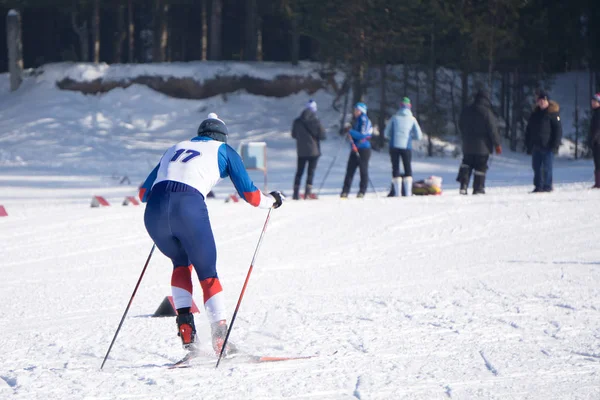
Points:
(401, 130)
(543, 136)
(479, 133)
(594, 138)
(360, 133)
(177, 220)
(308, 132)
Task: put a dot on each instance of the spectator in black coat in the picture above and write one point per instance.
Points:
(594, 138)
(479, 133)
(308, 132)
(542, 139)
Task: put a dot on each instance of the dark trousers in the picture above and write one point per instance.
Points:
(357, 161)
(596, 154)
(310, 174)
(406, 155)
(176, 219)
(470, 162)
(541, 161)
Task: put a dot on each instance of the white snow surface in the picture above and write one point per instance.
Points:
(447, 297)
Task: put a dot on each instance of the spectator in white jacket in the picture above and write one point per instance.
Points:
(401, 130)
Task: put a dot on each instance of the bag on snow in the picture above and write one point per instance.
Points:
(429, 186)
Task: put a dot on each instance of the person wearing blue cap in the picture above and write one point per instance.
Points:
(360, 134)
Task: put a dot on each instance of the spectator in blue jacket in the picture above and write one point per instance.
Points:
(401, 130)
(360, 134)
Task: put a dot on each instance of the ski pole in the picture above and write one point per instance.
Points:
(237, 307)
(355, 150)
(129, 304)
(330, 166)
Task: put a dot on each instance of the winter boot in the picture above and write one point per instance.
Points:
(464, 175)
(597, 180)
(219, 332)
(360, 195)
(296, 195)
(397, 185)
(407, 182)
(344, 195)
(308, 194)
(186, 330)
(479, 183)
(392, 192)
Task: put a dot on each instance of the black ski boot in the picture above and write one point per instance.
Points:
(186, 330)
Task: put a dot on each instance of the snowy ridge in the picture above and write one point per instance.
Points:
(199, 71)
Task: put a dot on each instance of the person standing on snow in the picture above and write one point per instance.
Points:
(176, 218)
(594, 138)
(308, 132)
(479, 133)
(360, 133)
(401, 130)
(542, 139)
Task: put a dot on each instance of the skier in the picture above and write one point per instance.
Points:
(480, 138)
(543, 135)
(308, 132)
(360, 133)
(177, 220)
(401, 130)
(594, 138)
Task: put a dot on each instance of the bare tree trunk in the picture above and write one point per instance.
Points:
(382, 106)
(204, 30)
(259, 41)
(417, 109)
(358, 83)
(295, 39)
(161, 34)
(215, 40)
(433, 79)
(359, 69)
(453, 104)
(405, 78)
(251, 36)
(464, 81)
(131, 29)
(516, 90)
(120, 35)
(502, 94)
(15, 49)
(96, 31)
(491, 49)
(507, 113)
(576, 115)
(82, 32)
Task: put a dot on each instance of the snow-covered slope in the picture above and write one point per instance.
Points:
(487, 297)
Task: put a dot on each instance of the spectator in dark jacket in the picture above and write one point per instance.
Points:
(594, 138)
(479, 133)
(308, 132)
(542, 139)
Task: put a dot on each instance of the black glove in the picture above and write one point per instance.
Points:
(279, 198)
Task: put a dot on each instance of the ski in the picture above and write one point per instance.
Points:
(244, 358)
